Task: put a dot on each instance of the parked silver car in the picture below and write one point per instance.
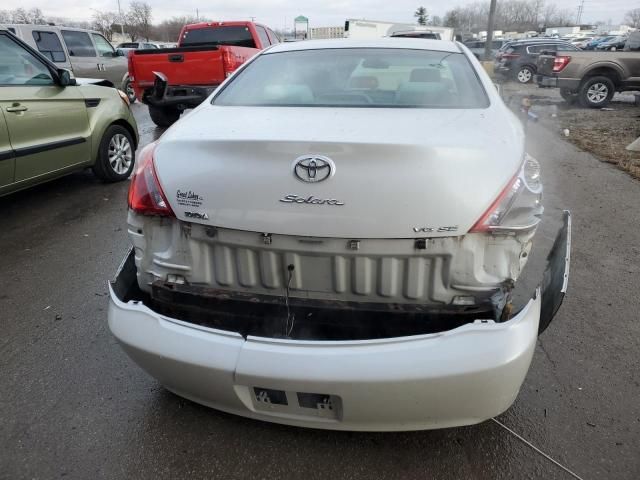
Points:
(86, 53)
(333, 238)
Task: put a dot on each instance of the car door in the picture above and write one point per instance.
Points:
(113, 67)
(7, 158)
(48, 125)
(82, 54)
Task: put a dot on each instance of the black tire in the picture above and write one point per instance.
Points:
(596, 92)
(525, 74)
(128, 89)
(569, 96)
(164, 117)
(116, 144)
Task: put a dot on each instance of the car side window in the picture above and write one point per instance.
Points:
(264, 39)
(78, 44)
(567, 48)
(20, 67)
(50, 46)
(104, 47)
(273, 36)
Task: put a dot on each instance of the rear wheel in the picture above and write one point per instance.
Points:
(569, 96)
(596, 92)
(116, 155)
(164, 117)
(525, 74)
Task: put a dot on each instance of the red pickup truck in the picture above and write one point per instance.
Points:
(170, 80)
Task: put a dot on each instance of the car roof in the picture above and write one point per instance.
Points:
(45, 28)
(387, 42)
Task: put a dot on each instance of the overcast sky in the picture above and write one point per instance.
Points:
(320, 12)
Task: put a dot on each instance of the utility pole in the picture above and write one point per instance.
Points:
(489, 41)
(580, 11)
(121, 21)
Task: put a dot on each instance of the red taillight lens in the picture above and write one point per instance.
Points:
(510, 56)
(496, 212)
(229, 62)
(145, 194)
(560, 62)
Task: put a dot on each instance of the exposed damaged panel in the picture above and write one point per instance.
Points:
(308, 319)
(379, 270)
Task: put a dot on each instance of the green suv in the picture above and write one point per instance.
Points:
(52, 124)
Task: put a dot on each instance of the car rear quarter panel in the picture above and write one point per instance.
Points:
(110, 110)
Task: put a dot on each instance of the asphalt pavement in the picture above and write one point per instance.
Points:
(73, 405)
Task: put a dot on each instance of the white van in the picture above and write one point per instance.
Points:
(85, 52)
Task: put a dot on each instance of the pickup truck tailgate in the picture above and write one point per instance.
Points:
(545, 64)
(181, 66)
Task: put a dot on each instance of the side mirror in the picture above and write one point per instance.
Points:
(119, 53)
(64, 78)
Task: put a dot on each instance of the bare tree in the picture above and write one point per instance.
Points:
(138, 20)
(169, 30)
(103, 22)
(422, 15)
(633, 18)
(435, 21)
(33, 16)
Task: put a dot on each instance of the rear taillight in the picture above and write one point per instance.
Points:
(499, 208)
(510, 56)
(560, 62)
(519, 201)
(145, 194)
(229, 62)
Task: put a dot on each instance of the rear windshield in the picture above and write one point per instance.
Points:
(238, 36)
(357, 77)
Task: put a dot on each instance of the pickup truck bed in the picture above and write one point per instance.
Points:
(171, 80)
(589, 77)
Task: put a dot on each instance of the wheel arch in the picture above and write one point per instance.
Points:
(609, 71)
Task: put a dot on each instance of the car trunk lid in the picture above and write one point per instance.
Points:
(397, 173)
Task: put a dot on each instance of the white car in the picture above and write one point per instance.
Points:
(332, 239)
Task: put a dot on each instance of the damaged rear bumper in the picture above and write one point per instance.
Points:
(450, 378)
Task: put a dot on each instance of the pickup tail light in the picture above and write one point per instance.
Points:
(145, 193)
(229, 62)
(560, 62)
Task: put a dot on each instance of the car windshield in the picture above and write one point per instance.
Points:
(357, 77)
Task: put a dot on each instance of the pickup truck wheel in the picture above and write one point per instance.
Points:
(568, 96)
(596, 92)
(128, 88)
(164, 117)
(525, 74)
(116, 155)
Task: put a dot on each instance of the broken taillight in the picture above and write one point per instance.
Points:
(145, 194)
(560, 62)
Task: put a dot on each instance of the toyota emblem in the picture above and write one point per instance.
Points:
(313, 168)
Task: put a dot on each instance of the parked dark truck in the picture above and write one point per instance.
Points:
(590, 77)
(171, 80)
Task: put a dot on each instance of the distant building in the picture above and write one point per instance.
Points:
(613, 29)
(326, 32)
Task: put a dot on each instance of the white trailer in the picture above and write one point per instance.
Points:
(360, 28)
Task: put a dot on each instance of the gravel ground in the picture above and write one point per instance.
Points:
(603, 132)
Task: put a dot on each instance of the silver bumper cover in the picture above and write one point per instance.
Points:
(457, 377)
